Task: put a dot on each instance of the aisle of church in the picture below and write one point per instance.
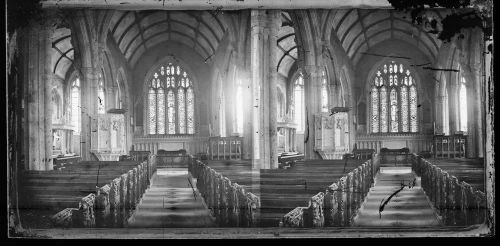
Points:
(408, 208)
(170, 203)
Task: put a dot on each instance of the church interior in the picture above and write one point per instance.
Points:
(251, 118)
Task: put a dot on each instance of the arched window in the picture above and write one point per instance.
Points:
(463, 104)
(75, 106)
(298, 94)
(118, 92)
(393, 96)
(239, 108)
(56, 106)
(170, 101)
(324, 94)
(280, 106)
(101, 98)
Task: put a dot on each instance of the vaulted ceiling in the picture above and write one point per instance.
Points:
(287, 48)
(360, 29)
(62, 52)
(137, 31)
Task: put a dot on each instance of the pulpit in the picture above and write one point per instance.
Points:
(332, 135)
(111, 138)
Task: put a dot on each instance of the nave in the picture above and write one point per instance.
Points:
(351, 119)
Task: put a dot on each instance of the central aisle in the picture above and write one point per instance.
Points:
(170, 202)
(408, 208)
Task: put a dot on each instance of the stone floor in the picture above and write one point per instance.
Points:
(408, 208)
(171, 203)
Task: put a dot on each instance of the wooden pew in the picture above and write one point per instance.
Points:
(281, 190)
(63, 190)
(457, 202)
(470, 171)
(284, 190)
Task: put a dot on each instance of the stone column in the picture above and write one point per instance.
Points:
(88, 111)
(312, 90)
(274, 25)
(490, 135)
(264, 29)
(247, 114)
(38, 75)
(478, 103)
(471, 149)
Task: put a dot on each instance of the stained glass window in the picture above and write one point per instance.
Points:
(75, 106)
(56, 101)
(413, 109)
(161, 111)
(239, 109)
(190, 110)
(383, 109)
(298, 94)
(171, 112)
(375, 104)
(394, 111)
(463, 104)
(393, 100)
(170, 103)
(324, 94)
(404, 108)
(182, 110)
(152, 111)
(101, 100)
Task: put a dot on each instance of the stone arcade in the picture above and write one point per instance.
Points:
(142, 115)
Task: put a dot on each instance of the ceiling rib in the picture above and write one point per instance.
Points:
(136, 21)
(284, 55)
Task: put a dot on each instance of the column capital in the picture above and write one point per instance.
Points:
(313, 70)
(89, 71)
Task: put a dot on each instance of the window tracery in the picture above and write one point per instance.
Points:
(170, 101)
(393, 100)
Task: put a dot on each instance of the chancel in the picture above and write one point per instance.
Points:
(142, 115)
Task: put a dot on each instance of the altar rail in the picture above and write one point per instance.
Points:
(338, 205)
(225, 148)
(415, 142)
(228, 201)
(456, 203)
(153, 143)
(112, 204)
